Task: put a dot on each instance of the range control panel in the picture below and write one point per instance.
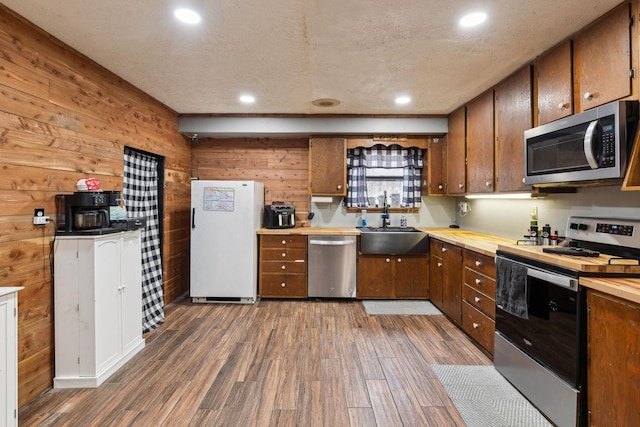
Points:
(623, 230)
(611, 231)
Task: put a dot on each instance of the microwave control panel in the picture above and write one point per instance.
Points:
(608, 144)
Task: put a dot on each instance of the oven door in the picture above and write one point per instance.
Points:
(551, 334)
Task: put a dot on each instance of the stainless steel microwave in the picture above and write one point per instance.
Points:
(590, 146)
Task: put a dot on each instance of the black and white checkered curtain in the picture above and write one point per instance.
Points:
(140, 194)
(379, 156)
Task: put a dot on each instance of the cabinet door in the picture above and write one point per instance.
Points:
(555, 90)
(328, 166)
(108, 313)
(602, 60)
(613, 360)
(435, 280)
(513, 116)
(452, 282)
(411, 277)
(437, 166)
(456, 152)
(480, 144)
(375, 276)
(131, 290)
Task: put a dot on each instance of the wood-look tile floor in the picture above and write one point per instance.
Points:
(274, 363)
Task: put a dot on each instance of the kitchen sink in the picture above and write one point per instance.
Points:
(393, 241)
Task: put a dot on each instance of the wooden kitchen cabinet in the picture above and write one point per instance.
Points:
(445, 278)
(555, 84)
(480, 144)
(393, 276)
(613, 360)
(9, 356)
(456, 156)
(436, 167)
(283, 266)
(513, 115)
(98, 306)
(602, 60)
(328, 166)
(478, 298)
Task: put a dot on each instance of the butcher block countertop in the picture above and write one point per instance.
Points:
(628, 289)
(478, 242)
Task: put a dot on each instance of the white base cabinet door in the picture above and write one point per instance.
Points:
(98, 306)
(9, 356)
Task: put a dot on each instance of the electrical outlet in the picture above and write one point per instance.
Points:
(39, 218)
(464, 207)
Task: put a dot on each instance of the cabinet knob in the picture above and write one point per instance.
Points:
(477, 299)
(399, 259)
(439, 264)
(476, 325)
(284, 242)
(477, 281)
(488, 183)
(388, 260)
(478, 263)
(444, 249)
(563, 105)
(588, 96)
(440, 187)
(523, 180)
(284, 254)
(461, 186)
(284, 267)
(339, 187)
(283, 284)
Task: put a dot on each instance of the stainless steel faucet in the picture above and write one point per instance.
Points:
(386, 221)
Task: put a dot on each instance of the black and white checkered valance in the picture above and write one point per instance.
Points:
(379, 156)
(140, 194)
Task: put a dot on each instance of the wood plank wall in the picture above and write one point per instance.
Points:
(63, 117)
(281, 164)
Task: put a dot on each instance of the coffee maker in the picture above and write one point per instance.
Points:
(85, 211)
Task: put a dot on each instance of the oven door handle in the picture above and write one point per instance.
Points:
(565, 282)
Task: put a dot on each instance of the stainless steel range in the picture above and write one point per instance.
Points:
(540, 344)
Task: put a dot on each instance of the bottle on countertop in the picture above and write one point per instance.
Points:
(546, 235)
(403, 221)
(363, 218)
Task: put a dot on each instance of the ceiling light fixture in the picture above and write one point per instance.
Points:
(473, 19)
(187, 16)
(247, 99)
(402, 100)
(325, 102)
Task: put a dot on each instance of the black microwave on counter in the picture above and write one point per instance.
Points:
(590, 146)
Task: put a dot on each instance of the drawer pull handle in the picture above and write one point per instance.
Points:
(399, 259)
(388, 260)
(439, 264)
(444, 249)
(476, 325)
(477, 299)
(478, 263)
(283, 284)
(478, 281)
(284, 254)
(284, 242)
(284, 267)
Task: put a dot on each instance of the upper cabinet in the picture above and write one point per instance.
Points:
(456, 153)
(328, 166)
(602, 60)
(555, 91)
(513, 115)
(480, 127)
(436, 167)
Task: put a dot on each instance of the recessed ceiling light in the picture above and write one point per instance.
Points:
(325, 102)
(401, 100)
(187, 15)
(473, 19)
(247, 99)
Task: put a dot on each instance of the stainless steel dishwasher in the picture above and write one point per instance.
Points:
(332, 266)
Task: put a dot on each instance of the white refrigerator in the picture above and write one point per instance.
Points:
(225, 216)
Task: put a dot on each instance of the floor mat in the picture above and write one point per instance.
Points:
(484, 398)
(400, 307)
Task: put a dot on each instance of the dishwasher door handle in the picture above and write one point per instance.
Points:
(332, 242)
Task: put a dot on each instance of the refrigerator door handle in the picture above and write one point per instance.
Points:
(193, 217)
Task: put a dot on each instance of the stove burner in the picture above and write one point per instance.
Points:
(572, 251)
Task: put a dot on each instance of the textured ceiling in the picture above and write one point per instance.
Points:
(289, 52)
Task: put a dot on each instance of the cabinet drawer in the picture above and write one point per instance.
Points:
(283, 285)
(480, 282)
(478, 326)
(283, 267)
(479, 300)
(284, 254)
(281, 241)
(480, 263)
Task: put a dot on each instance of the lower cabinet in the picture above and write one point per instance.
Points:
(478, 298)
(613, 362)
(98, 306)
(445, 278)
(283, 266)
(393, 276)
(9, 356)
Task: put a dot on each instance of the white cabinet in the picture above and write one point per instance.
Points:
(98, 306)
(9, 356)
